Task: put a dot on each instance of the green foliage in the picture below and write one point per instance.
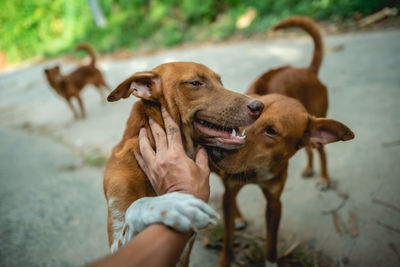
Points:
(52, 27)
(29, 28)
(94, 159)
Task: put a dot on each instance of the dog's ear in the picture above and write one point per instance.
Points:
(145, 85)
(321, 131)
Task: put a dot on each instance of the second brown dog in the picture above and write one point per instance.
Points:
(284, 127)
(70, 86)
(302, 84)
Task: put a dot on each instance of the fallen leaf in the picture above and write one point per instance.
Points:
(335, 218)
(353, 224)
(245, 20)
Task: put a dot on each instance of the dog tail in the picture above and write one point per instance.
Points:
(312, 29)
(88, 48)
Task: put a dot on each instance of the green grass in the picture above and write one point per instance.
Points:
(48, 28)
(94, 159)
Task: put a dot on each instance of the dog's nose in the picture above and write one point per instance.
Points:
(255, 107)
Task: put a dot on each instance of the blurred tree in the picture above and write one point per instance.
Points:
(51, 27)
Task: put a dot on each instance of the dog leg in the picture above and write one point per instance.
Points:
(240, 222)
(273, 217)
(185, 256)
(83, 113)
(230, 194)
(182, 212)
(72, 108)
(272, 191)
(308, 171)
(323, 181)
(101, 91)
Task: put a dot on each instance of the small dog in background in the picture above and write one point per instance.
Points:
(69, 86)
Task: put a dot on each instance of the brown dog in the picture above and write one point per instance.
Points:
(69, 86)
(207, 114)
(302, 84)
(284, 127)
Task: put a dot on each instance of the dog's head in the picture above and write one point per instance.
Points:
(53, 76)
(282, 129)
(195, 97)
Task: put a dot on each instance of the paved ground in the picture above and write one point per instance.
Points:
(52, 207)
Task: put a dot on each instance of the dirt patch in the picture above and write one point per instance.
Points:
(249, 249)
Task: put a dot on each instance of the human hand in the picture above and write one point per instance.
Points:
(169, 169)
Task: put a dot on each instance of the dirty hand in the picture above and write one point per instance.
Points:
(169, 169)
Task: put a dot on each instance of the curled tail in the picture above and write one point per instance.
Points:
(88, 48)
(312, 29)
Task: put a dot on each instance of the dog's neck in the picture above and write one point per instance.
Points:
(58, 82)
(256, 176)
(140, 113)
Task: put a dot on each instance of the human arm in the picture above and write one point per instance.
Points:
(157, 245)
(169, 170)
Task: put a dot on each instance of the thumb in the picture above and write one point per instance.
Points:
(201, 158)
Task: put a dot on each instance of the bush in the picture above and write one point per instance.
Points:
(52, 27)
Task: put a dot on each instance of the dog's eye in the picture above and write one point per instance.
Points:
(271, 131)
(195, 83)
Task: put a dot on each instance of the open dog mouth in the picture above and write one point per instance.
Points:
(228, 137)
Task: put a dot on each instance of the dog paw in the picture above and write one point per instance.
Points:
(240, 224)
(322, 184)
(308, 172)
(183, 212)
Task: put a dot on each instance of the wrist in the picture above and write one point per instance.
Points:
(203, 195)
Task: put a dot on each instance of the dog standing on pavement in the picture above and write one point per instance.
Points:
(284, 127)
(70, 86)
(295, 104)
(207, 114)
(302, 84)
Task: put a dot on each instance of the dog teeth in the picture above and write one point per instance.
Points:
(244, 130)
(237, 136)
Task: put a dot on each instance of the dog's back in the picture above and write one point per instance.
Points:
(86, 74)
(300, 83)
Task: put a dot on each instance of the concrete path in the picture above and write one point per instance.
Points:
(52, 206)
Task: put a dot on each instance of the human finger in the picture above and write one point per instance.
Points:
(201, 159)
(146, 150)
(159, 135)
(172, 129)
(141, 163)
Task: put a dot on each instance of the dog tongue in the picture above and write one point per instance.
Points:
(226, 137)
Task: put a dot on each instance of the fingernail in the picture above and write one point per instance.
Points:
(151, 119)
(163, 109)
(142, 131)
(212, 222)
